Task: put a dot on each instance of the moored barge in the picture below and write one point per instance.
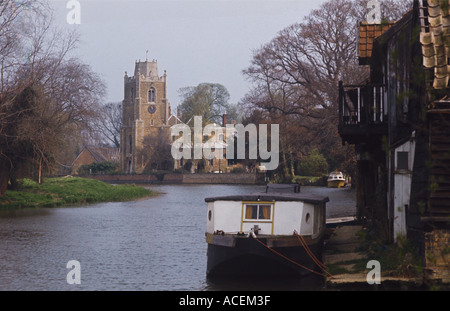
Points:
(277, 232)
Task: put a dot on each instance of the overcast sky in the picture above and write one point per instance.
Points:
(195, 41)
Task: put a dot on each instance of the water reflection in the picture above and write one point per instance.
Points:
(152, 244)
(24, 212)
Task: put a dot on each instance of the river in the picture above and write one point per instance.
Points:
(155, 244)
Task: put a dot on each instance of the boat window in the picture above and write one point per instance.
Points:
(258, 211)
(251, 211)
(264, 212)
(307, 218)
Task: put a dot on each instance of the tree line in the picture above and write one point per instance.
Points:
(294, 83)
(295, 78)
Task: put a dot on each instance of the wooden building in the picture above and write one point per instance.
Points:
(399, 121)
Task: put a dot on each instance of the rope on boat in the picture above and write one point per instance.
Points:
(290, 260)
(320, 264)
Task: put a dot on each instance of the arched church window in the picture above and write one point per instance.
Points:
(152, 95)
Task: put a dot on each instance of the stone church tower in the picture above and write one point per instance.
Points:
(146, 110)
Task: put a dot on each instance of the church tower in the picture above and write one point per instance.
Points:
(146, 110)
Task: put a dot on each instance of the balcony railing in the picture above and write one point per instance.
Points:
(362, 111)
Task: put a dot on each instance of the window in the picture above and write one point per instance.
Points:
(402, 160)
(152, 95)
(258, 212)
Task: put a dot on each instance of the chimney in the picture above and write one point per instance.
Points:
(225, 119)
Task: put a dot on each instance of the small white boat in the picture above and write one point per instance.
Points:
(336, 180)
(276, 232)
(341, 221)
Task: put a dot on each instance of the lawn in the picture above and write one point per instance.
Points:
(69, 191)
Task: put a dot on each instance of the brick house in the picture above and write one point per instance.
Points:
(91, 154)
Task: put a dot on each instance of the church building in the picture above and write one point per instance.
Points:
(146, 112)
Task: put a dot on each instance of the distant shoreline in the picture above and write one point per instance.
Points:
(70, 191)
(178, 178)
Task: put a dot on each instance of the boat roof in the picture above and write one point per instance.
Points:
(274, 192)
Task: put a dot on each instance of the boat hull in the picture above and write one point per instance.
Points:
(246, 256)
(336, 183)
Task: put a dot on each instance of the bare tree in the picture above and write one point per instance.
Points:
(47, 97)
(295, 76)
(391, 10)
(66, 101)
(156, 151)
(14, 16)
(209, 100)
(109, 122)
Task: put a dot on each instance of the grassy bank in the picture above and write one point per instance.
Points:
(69, 191)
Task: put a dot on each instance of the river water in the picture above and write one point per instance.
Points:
(155, 244)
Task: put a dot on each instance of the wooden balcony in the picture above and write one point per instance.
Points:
(362, 112)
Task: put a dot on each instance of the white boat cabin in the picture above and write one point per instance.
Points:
(275, 212)
(336, 176)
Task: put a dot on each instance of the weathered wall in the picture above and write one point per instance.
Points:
(232, 178)
(437, 255)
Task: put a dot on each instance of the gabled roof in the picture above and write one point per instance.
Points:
(367, 34)
(101, 154)
(173, 119)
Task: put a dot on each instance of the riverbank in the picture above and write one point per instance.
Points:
(164, 178)
(347, 263)
(71, 191)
